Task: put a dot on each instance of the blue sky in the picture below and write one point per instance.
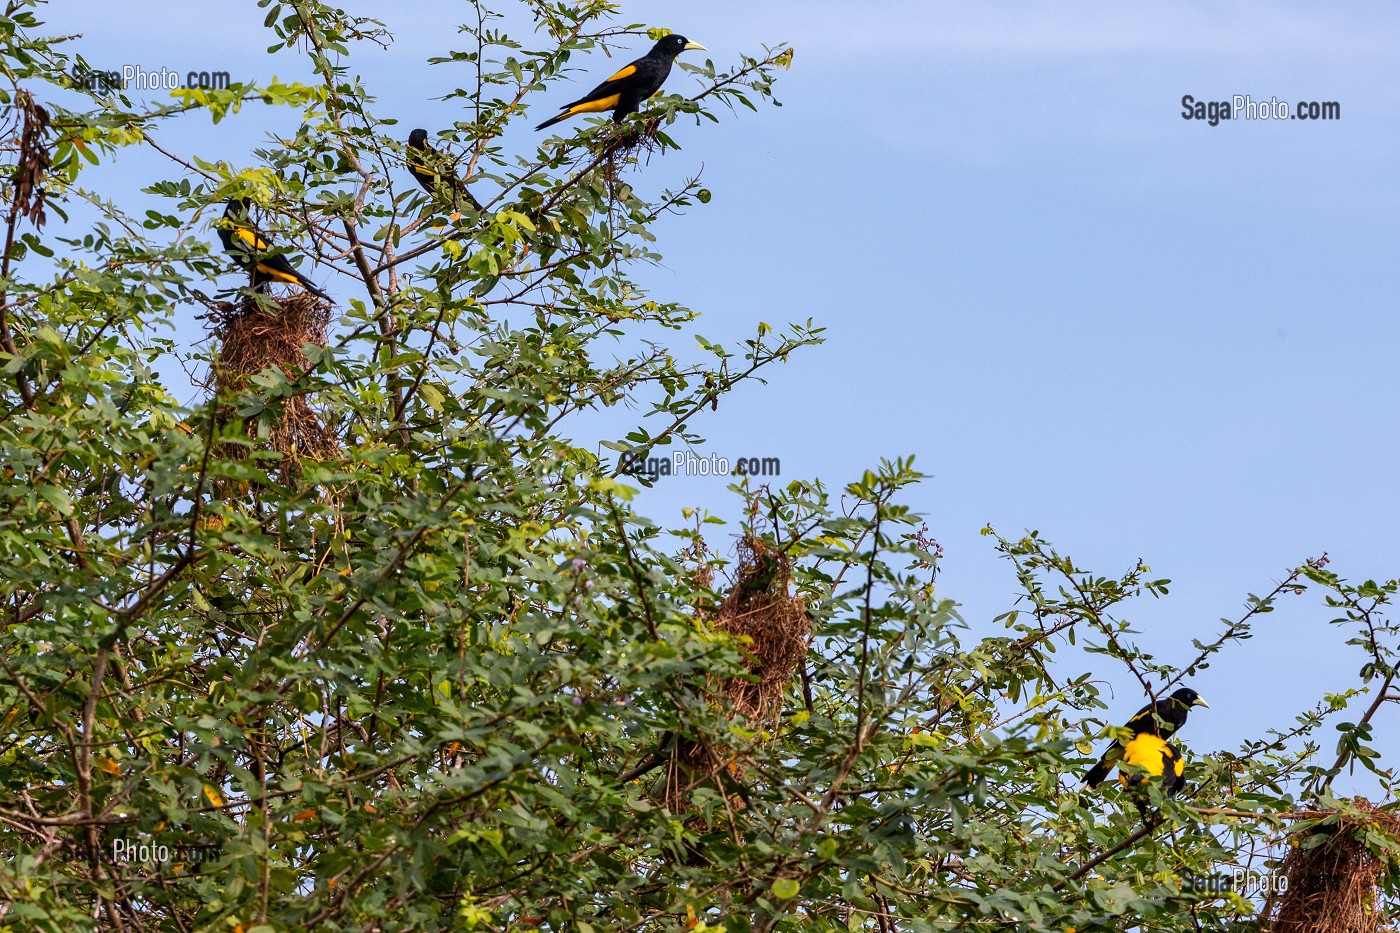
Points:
(1143, 336)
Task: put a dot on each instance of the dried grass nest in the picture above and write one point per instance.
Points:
(631, 139)
(776, 631)
(252, 339)
(775, 624)
(1333, 885)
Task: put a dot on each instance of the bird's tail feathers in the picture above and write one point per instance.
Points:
(310, 286)
(563, 115)
(587, 105)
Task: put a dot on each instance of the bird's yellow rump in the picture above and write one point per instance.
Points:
(1150, 756)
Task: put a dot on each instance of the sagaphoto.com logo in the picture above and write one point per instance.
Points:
(154, 854)
(690, 463)
(137, 78)
(1244, 107)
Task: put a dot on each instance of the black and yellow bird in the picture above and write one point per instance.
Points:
(1157, 721)
(436, 173)
(624, 92)
(252, 250)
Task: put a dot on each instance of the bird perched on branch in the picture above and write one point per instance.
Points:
(436, 173)
(1158, 721)
(252, 250)
(624, 92)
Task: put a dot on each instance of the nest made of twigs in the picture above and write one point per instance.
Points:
(1332, 886)
(774, 624)
(253, 338)
(776, 632)
(637, 139)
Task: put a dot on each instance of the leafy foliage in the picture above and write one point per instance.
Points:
(437, 679)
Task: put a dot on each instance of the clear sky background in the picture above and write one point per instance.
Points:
(1143, 336)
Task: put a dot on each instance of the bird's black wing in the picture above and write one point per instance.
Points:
(1142, 721)
(1105, 764)
(636, 75)
(621, 93)
(251, 249)
(1173, 770)
(1169, 716)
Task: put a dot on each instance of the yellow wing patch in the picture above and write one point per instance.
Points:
(251, 238)
(601, 105)
(277, 275)
(626, 72)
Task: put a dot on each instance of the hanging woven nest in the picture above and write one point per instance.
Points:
(1333, 876)
(775, 631)
(773, 626)
(253, 338)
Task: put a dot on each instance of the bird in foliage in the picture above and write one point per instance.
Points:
(436, 173)
(1151, 756)
(624, 92)
(252, 250)
(1158, 720)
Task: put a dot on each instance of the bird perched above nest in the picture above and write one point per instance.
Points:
(625, 90)
(252, 250)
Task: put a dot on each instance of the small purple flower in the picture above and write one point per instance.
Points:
(578, 700)
(927, 542)
(579, 564)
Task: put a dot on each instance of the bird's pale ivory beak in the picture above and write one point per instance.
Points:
(694, 47)
(1200, 702)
